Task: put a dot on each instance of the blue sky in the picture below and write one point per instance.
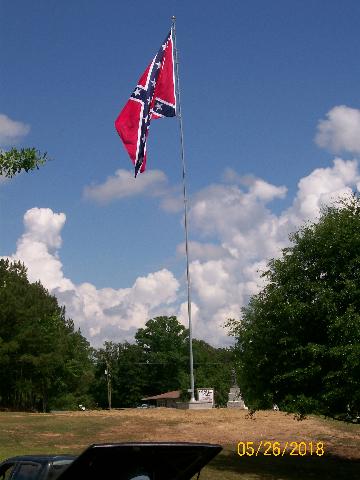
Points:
(270, 97)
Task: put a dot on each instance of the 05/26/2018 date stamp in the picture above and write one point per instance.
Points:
(276, 449)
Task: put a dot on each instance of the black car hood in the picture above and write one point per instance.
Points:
(141, 461)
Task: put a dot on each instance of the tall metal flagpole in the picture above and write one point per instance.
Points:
(178, 114)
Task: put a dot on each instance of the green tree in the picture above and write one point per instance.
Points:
(212, 369)
(131, 375)
(298, 341)
(14, 161)
(43, 359)
(164, 344)
(125, 364)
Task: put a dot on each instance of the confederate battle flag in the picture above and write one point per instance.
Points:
(153, 97)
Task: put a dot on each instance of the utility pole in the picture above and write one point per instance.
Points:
(108, 381)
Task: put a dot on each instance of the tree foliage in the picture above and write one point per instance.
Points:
(122, 362)
(212, 369)
(159, 362)
(298, 341)
(14, 161)
(163, 343)
(43, 359)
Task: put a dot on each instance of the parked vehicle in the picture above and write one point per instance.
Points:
(123, 461)
(34, 467)
(141, 461)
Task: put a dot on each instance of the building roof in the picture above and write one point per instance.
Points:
(173, 395)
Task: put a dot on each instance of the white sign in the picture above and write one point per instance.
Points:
(206, 395)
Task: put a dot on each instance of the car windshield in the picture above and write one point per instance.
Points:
(28, 471)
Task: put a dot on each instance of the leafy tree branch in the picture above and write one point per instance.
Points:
(16, 160)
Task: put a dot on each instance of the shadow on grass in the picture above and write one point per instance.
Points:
(327, 467)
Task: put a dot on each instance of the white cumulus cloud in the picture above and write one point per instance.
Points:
(11, 130)
(123, 184)
(245, 234)
(37, 248)
(322, 186)
(340, 131)
(103, 314)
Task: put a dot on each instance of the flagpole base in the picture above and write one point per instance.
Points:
(195, 405)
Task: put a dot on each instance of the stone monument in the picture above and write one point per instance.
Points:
(235, 399)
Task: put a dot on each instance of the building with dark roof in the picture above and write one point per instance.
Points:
(167, 399)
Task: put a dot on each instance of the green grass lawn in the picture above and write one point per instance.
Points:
(22, 433)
